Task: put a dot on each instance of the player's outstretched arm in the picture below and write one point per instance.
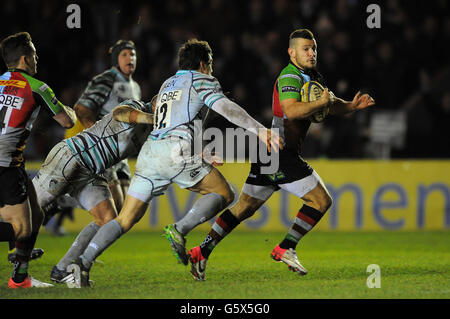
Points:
(128, 114)
(359, 102)
(237, 115)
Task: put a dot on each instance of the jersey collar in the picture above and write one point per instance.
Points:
(298, 68)
(179, 72)
(18, 70)
(117, 72)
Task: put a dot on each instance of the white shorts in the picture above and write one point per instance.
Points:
(298, 188)
(163, 162)
(61, 173)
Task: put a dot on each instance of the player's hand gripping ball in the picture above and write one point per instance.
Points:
(311, 91)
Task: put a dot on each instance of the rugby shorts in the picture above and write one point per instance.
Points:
(294, 175)
(62, 173)
(14, 185)
(163, 162)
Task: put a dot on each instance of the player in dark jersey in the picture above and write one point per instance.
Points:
(104, 92)
(290, 116)
(21, 97)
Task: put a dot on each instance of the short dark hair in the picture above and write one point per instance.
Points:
(15, 46)
(192, 52)
(301, 33)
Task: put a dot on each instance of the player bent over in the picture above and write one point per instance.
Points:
(74, 166)
(295, 176)
(20, 100)
(167, 156)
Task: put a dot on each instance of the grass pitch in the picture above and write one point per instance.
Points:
(140, 265)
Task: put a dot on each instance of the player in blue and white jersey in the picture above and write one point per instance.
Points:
(168, 157)
(103, 93)
(75, 167)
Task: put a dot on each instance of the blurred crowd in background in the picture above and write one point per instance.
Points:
(404, 64)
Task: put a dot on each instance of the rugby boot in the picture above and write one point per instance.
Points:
(289, 257)
(29, 282)
(177, 242)
(198, 263)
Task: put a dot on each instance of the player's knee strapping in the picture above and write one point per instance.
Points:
(307, 217)
(223, 225)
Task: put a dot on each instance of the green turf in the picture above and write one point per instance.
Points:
(141, 265)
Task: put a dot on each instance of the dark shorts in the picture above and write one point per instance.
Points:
(292, 168)
(13, 185)
(294, 175)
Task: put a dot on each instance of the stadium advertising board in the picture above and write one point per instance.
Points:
(367, 196)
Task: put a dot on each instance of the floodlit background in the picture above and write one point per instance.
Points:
(403, 65)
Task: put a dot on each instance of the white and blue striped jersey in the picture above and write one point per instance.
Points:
(180, 100)
(108, 141)
(107, 90)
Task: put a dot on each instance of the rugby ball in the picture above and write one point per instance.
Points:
(311, 91)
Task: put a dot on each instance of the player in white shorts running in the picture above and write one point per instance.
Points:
(291, 116)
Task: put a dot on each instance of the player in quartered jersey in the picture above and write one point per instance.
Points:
(104, 92)
(21, 97)
(167, 156)
(290, 116)
(75, 167)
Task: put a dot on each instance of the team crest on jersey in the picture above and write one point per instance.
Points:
(16, 83)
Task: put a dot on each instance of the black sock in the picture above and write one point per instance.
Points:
(20, 271)
(224, 224)
(7, 232)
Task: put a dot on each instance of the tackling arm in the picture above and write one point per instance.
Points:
(128, 114)
(237, 115)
